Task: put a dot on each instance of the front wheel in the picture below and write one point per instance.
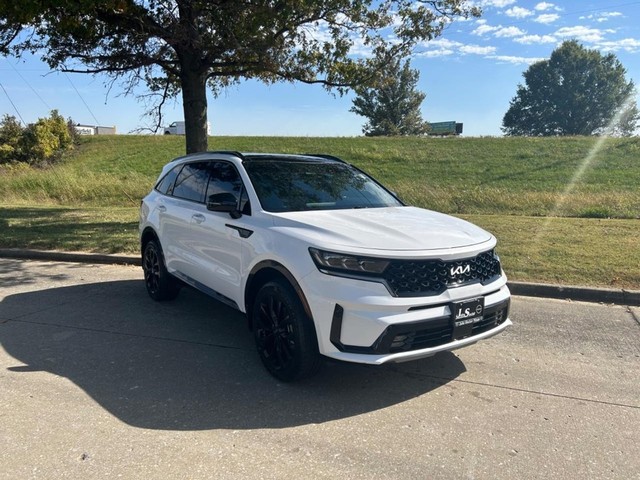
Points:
(159, 282)
(284, 334)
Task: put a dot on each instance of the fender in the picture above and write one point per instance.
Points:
(282, 270)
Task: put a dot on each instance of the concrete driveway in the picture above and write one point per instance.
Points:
(98, 381)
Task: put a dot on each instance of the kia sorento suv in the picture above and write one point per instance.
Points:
(322, 259)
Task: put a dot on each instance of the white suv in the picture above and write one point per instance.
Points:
(321, 258)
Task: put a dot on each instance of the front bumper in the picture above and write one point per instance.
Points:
(360, 322)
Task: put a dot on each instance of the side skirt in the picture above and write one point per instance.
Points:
(206, 290)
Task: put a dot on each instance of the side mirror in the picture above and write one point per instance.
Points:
(224, 202)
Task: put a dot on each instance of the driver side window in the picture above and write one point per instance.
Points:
(224, 179)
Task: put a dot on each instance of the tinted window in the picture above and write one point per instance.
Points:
(224, 179)
(191, 184)
(245, 204)
(284, 186)
(166, 184)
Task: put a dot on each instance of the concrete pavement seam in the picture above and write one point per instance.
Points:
(577, 293)
(535, 392)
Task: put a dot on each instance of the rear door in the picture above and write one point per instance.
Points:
(185, 200)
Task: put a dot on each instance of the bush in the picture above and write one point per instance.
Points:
(10, 134)
(39, 143)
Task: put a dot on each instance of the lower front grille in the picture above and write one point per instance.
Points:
(433, 333)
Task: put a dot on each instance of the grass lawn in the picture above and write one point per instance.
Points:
(565, 210)
(568, 251)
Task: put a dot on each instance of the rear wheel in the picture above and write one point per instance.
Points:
(284, 334)
(159, 282)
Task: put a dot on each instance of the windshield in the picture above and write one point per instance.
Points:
(293, 186)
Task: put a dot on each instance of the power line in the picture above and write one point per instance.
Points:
(85, 103)
(29, 85)
(14, 105)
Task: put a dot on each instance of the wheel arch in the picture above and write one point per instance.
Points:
(147, 235)
(264, 272)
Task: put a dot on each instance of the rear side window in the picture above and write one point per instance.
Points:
(191, 183)
(166, 184)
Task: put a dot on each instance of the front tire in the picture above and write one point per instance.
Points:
(284, 334)
(160, 284)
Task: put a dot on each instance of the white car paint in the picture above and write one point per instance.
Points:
(200, 244)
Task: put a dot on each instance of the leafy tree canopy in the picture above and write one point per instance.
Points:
(392, 105)
(576, 92)
(185, 46)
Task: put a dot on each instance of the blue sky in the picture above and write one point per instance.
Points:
(469, 75)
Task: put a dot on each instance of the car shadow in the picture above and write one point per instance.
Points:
(189, 364)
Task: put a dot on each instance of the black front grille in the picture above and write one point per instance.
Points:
(412, 278)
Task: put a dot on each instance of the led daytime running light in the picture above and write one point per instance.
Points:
(347, 263)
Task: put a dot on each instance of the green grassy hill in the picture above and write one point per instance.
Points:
(565, 210)
(512, 176)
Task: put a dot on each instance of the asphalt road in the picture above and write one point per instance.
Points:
(98, 381)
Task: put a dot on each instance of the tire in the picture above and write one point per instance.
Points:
(160, 284)
(284, 334)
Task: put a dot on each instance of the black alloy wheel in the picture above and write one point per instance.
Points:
(159, 282)
(285, 336)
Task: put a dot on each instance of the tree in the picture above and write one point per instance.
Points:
(10, 134)
(393, 104)
(576, 92)
(183, 46)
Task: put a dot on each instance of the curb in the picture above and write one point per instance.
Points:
(581, 294)
(76, 257)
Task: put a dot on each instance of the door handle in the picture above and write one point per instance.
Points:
(162, 208)
(198, 218)
(244, 232)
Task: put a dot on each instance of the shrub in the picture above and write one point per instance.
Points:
(10, 134)
(41, 142)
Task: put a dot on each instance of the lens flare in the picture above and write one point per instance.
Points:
(588, 160)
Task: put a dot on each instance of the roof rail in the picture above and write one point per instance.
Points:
(228, 152)
(328, 157)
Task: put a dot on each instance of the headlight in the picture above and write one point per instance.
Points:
(339, 262)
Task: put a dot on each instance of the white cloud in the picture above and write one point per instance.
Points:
(518, 12)
(543, 6)
(583, 34)
(483, 28)
(499, 31)
(547, 18)
(477, 50)
(631, 45)
(515, 60)
(502, 32)
(601, 17)
(497, 3)
(443, 47)
(536, 39)
(440, 52)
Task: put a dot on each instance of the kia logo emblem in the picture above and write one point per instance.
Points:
(460, 270)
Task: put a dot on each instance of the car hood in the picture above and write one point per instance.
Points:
(385, 229)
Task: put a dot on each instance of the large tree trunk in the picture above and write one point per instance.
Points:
(194, 101)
